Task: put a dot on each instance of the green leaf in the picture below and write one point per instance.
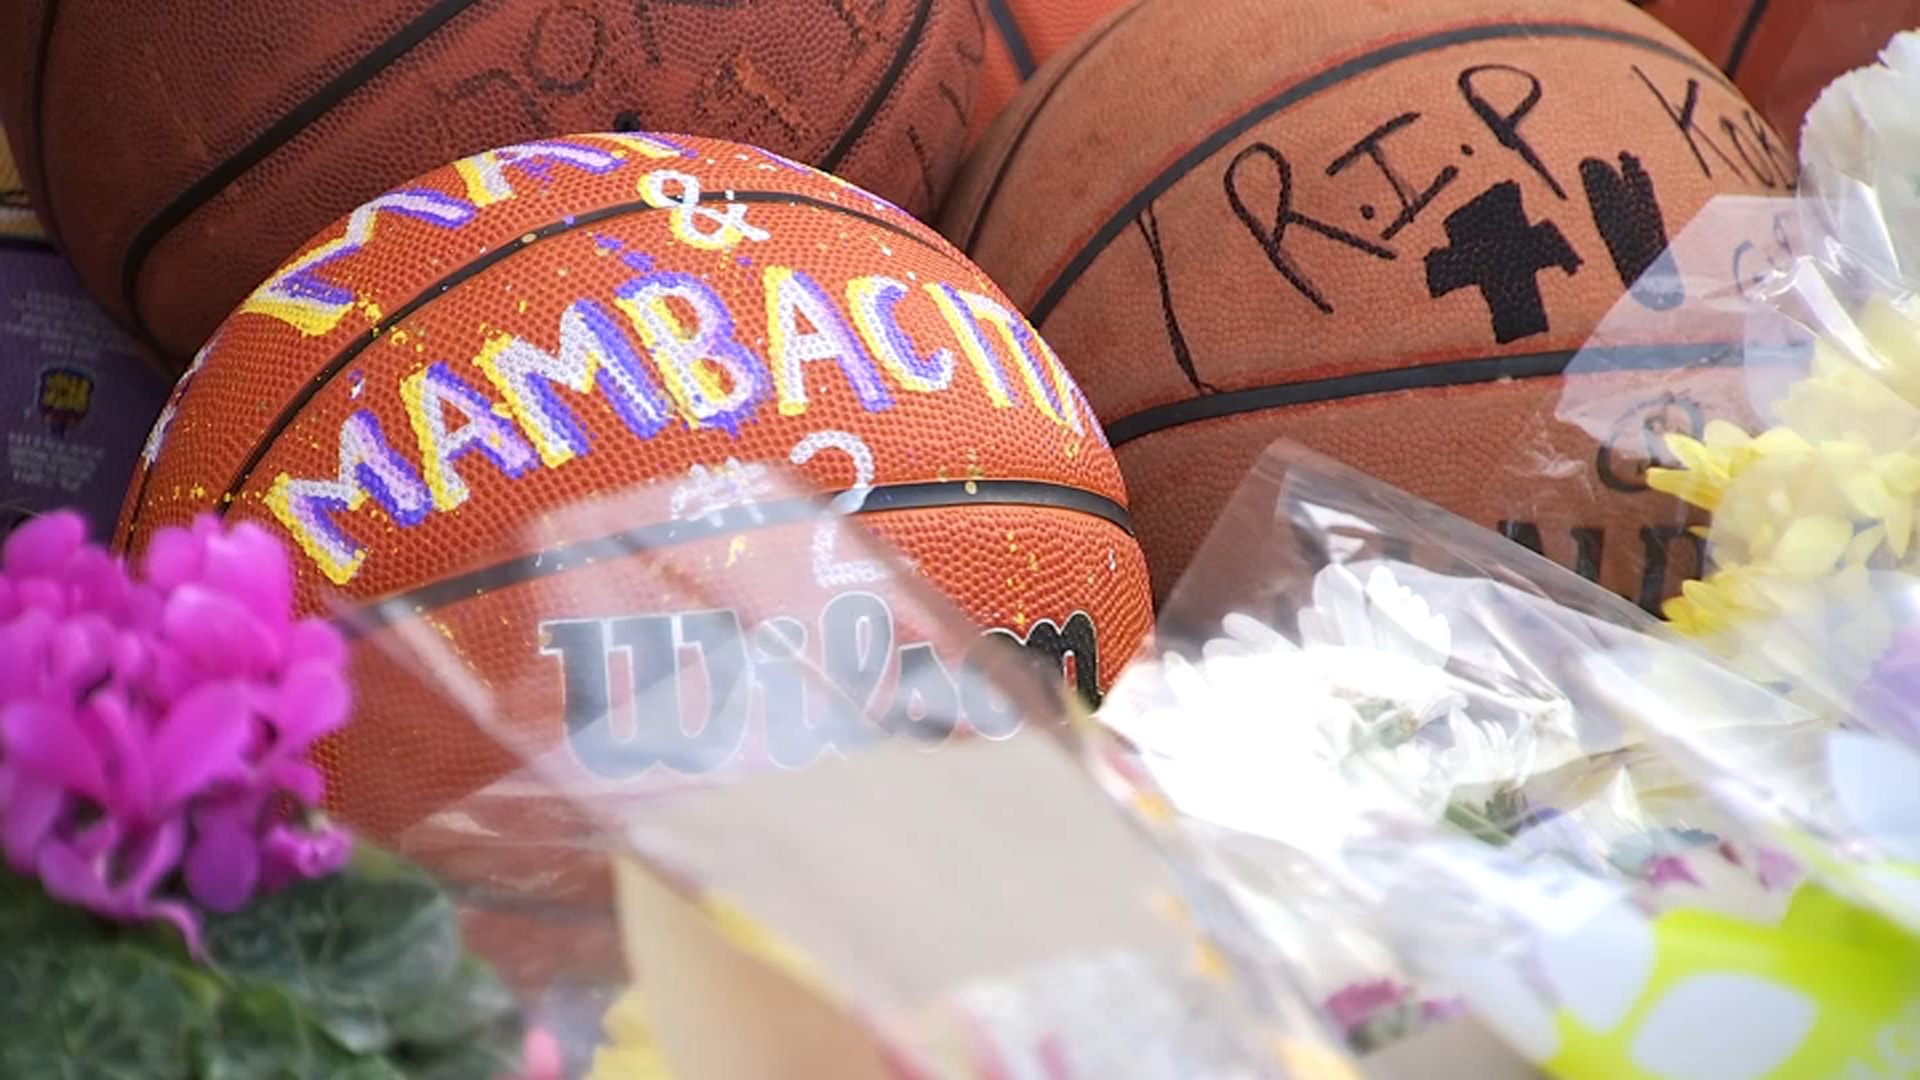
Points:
(263, 1033)
(100, 1010)
(491, 1054)
(356, 948)
(28, 914)
(472, 1002)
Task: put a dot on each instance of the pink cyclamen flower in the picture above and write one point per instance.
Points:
(153, 733)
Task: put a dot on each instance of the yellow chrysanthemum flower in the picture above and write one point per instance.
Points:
(1805, 510)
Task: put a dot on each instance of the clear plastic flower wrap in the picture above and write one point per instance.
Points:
(1803, 487)
(1434, 768)
(797, 754)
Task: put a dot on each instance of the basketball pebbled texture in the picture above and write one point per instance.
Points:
(1384, 230)
(183, 150)
(378, 404)
(1022, 37)
(1782, 53)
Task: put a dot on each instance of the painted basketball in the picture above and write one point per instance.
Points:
(181, 150)
(435, 378)
(1782, 53)
(1381, 230)
(1022, 36)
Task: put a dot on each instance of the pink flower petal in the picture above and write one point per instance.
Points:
(98, 581)
(316, 640)
(289, 852)
(250, 565)
(223, 865)
(218, 633)
(312, 700)
(296, 778)
(70, 876)
(45, 742)
(33, 807)
(79, 654)
(23, 653)
(43, 594)
(125, 742)
(173, 558)
(183, 920)
(200, 742)
(42, 546)
(154, 858)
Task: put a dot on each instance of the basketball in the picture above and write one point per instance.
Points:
(1381, 230)
(1021, 36)
(435, 375)
(1782, 53)
(182, 150)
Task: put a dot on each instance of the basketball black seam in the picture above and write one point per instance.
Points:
(36, 116)
(897, 69)
(1224, 135)
(1741, 41)
(277, 134)
(1010, 35)
(1026, 127)
(881, 499)
(480, 265)
(1438, 376)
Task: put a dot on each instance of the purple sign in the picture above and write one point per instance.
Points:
(76, 399)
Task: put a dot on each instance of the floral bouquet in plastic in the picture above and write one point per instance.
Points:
(1813, 571)
(173, 903)
(1446, 778)
(846, 830)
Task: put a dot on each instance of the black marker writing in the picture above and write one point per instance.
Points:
(1411, 202)
(1272, 236)
(1686, 122)
(1149, 225)
(1627, 214)
(1505, 126)
(1496, 250)
(1639, 441)
(564, 48)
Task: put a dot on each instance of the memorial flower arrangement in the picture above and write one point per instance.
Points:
(174, 903)
(1476, 791)
(1813, 529)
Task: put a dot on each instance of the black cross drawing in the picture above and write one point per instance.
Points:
(1495, 249)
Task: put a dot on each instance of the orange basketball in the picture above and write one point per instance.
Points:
(439, 372)
(1782, 53)
(182, 149)
(1381, 229)
(1022, 35)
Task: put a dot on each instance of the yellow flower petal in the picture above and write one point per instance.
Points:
(1868, 494)
(1899, 519)
(1862, 547)
(1812, 545)
(1723, 435)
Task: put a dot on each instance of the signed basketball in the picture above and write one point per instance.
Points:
(1782, 53)
(437, 375)
(181, 150)
(1381, 230)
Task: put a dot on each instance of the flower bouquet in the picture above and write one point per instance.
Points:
(1809, 492)
(1445, 777)
(173, 902)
